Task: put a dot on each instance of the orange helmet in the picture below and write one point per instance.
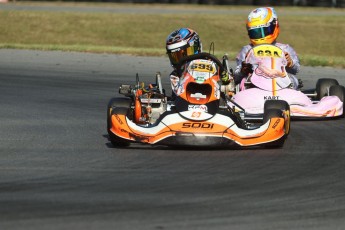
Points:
(262, 26)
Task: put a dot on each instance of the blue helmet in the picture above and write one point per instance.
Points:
(182, 42)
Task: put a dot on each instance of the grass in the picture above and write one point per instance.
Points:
(317, 38)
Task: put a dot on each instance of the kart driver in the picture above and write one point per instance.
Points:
(263, 28)
(180, 43)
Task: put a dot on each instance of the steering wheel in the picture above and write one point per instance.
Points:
(204, 55)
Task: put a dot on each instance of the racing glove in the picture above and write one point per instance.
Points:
(246, 68)
(289, 60)
(225, 77)
(174, 82)
(300, 83)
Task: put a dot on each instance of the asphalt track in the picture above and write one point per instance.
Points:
(59, 171)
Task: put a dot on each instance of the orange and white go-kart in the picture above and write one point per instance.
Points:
(199, 116)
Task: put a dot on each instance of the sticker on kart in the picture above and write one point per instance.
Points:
(202, 66)
(267, 51)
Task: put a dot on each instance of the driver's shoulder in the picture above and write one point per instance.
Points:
(283, 46)
(246, 48)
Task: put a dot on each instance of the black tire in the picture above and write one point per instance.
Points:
(282, 106)
(277, 108)
(276, 104)
(118, 106)
(339, 91)
(271, 113)
(268, 114)
(323, 85)
(114, 103)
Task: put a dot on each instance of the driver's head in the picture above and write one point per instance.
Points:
(262, 26)
(182, 42)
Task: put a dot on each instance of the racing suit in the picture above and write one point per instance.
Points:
(292, 71)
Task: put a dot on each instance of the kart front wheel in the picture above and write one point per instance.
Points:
(115, 103)
(115, 140)
(276, 104)
(268, 114)
(282, 106)
(277, 108)
(121, 105)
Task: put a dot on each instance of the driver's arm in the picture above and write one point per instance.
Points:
(295, 67)
(241, 57)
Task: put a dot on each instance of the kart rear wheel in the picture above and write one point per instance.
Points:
(323, 85)
(339, 91)
(122, 106)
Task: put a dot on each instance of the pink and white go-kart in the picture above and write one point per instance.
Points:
(270, 81)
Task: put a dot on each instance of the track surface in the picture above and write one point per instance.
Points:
(59, 171)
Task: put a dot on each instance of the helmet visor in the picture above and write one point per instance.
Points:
(175, 57)
(261, 32)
